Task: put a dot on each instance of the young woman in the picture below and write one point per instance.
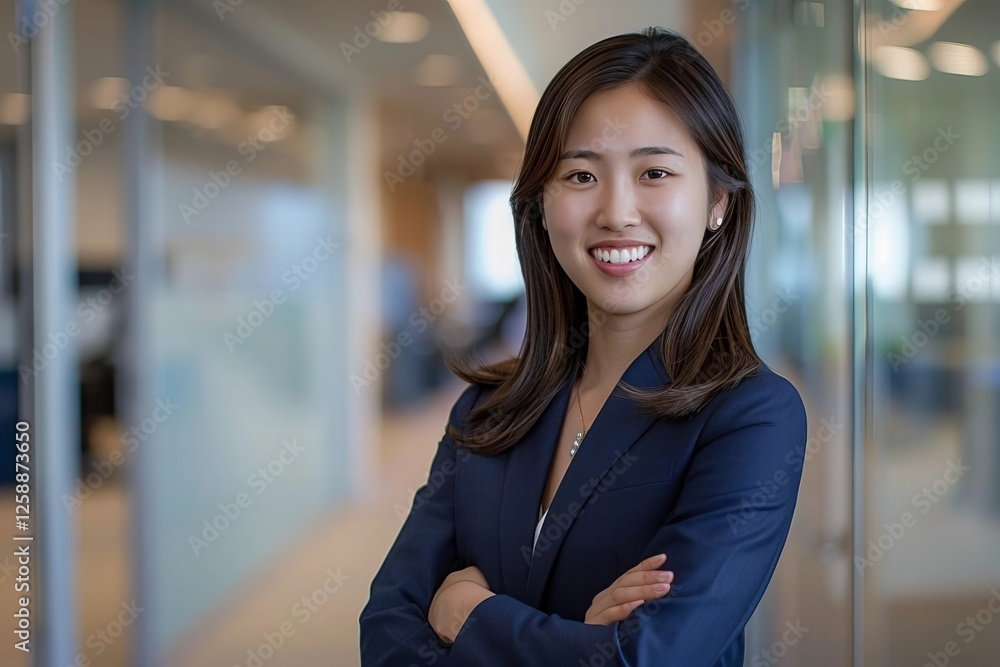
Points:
(564, 522)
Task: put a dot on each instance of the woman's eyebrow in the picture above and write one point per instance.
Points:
(637, 152)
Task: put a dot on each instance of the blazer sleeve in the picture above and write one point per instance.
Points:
(722, 541)
(393, 624)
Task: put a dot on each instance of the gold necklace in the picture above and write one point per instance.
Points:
(581, 434)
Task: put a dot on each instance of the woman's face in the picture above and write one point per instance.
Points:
(631, 181)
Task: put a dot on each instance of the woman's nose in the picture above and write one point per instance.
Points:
(617, 207)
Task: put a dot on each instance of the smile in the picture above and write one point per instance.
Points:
(620, 261)
(620, 255)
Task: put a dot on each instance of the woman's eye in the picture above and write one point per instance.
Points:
(663, 173)
(580, 173)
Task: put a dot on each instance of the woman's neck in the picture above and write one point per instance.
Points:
(610, 351)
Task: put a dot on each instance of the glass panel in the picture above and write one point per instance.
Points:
(930, 556)
(793, 80)
(248, 412)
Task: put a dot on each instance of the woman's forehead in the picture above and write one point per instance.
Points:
(613, 122)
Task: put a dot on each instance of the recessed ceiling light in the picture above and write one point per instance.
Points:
(404, 28)
(899, 62)
(438, 70)
(215, 109)
(954, 58)
(172, 103)
(919, 5)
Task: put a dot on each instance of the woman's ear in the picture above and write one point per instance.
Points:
(718, 211)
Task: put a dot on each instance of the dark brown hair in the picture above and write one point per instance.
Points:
(706, 344)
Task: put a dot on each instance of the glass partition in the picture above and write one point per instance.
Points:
(930, 556)
(793, 79)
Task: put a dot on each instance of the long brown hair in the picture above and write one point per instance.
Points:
(705, 345)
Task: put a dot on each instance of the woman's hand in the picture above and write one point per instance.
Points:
(643, 582)
(454, 600)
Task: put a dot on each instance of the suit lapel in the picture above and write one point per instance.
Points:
(524, 484)
(618, 425)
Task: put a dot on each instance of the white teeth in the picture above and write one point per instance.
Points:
(620, 255)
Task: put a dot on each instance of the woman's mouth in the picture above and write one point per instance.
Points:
(619, 262)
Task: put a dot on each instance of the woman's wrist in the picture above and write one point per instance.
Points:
(459, 600)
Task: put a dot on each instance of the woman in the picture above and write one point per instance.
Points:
(564, 522)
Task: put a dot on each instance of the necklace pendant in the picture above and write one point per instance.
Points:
(576, 444)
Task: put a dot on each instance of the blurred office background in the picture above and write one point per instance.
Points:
(237, 238)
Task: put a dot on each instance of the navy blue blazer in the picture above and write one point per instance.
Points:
(714, 491)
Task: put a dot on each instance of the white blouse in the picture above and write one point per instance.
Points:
(538, 528)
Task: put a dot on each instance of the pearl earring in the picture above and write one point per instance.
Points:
(718, 223)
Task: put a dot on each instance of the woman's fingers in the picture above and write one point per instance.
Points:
(641, 583)
(619, 612)
(638, 584)
(649, 563)
(625, 594)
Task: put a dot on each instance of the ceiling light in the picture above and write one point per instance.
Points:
(503, 66)
(918, 5)
(900, 62)
(213, 110)
(172, 103)
(954, 58)
(404, 28)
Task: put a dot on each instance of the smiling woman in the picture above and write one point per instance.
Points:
(569, 476)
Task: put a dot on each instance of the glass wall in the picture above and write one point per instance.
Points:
(930, 560)
(881, 191)
(792, 76)
(247, 162)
